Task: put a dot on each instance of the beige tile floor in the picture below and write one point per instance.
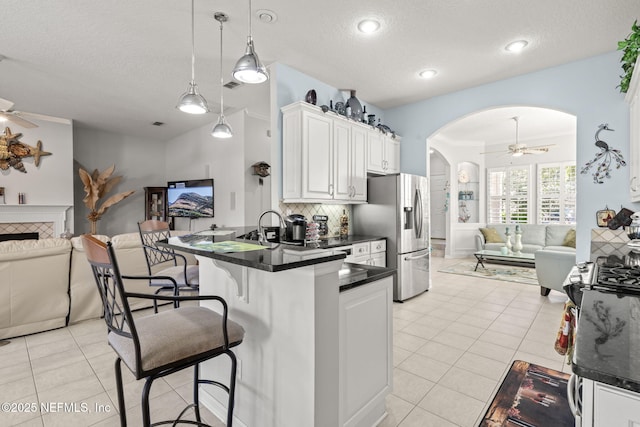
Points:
(452, 346)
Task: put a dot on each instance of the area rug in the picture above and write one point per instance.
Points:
(530, 396)
(497, 272)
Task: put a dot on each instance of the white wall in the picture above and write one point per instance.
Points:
(51, 183)
(586, 89)
(196, 155)
(141, 163)
(257, 147)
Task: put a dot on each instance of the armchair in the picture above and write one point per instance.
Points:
(552, 268)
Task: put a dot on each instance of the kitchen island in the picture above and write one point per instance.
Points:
(310, 320)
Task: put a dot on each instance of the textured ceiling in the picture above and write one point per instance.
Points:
(120, 65)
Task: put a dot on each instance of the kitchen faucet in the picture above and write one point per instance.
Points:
(261, 236)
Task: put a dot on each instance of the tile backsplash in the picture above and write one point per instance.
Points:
(310, 209)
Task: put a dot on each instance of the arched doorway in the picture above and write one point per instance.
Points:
(485, 140)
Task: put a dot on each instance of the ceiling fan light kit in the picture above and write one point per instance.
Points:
(221, 129)
(249, 69)
(191, 101)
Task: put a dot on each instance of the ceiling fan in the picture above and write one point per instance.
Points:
(7, 113)
(519, 149)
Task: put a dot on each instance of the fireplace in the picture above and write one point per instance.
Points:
(46, 220)
(19, 236)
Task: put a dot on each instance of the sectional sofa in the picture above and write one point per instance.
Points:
(48, 284)
(552, 245)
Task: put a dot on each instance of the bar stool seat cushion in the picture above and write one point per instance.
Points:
(177, 273)
(181, 334)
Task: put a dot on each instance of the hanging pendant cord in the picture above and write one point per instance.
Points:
(250, 36)
(221, 79)
(193, 47)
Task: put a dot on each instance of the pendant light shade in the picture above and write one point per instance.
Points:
(222, 128)
(191, 101)
(249, 69)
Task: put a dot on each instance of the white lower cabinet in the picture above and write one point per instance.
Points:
(370, 253)
(365, 352)
(607, 406)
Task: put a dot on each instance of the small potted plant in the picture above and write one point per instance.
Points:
(630, 48)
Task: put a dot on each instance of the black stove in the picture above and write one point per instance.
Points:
(614, 274)
(617, 277)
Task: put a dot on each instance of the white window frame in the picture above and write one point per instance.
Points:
(507, 216)
(564, 198)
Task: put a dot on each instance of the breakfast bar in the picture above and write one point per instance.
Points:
(309, 319)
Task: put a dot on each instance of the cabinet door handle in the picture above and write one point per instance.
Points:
(352, 192)
(634, 188)
(331, 189)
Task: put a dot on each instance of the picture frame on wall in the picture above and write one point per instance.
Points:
(604, 216)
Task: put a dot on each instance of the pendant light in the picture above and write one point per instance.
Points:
(191, 101)
(221, 129)
(249, 69)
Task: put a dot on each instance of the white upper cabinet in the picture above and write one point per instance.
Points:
(633, 95)
(384, 153)
(324, 156)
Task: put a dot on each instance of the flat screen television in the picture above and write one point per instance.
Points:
(190, 198)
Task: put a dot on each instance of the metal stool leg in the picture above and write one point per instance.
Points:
(196, 391)
(121, 406)
(232, 388)
(146, 417)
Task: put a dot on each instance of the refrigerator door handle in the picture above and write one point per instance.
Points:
(412, 258)
(417, 201)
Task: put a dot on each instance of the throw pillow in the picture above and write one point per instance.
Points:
(570, 238)
(491, 235)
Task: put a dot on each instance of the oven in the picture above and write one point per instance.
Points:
(617, 273)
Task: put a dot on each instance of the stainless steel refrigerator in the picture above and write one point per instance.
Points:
(398, 209)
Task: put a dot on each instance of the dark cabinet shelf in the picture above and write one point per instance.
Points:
(155, 206)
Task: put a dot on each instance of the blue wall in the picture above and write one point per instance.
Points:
(585, 88)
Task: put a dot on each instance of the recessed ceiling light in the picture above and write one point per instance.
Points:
(266, 16)
(368, 26)
(516, 46)
(428, 74)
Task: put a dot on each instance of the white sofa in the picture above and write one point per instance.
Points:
(534, 237)
(47, 284)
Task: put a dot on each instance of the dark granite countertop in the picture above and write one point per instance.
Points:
(608, 339)
(353, 275)
(274, 257)
(337, 242)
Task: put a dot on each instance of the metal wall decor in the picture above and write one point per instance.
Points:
(12, 151)
(604, 158)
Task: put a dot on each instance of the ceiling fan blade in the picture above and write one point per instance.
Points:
(535, 150)
(5, 104)
(37, 116)
(16, 119)
(494, 152)
(542, 146)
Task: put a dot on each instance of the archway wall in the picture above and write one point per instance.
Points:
(585, 88)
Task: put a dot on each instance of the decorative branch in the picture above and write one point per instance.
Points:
(96, 185)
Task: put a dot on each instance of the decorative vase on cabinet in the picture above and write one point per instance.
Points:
(356, 107)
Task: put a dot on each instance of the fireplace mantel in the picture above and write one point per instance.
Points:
(57, 214)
